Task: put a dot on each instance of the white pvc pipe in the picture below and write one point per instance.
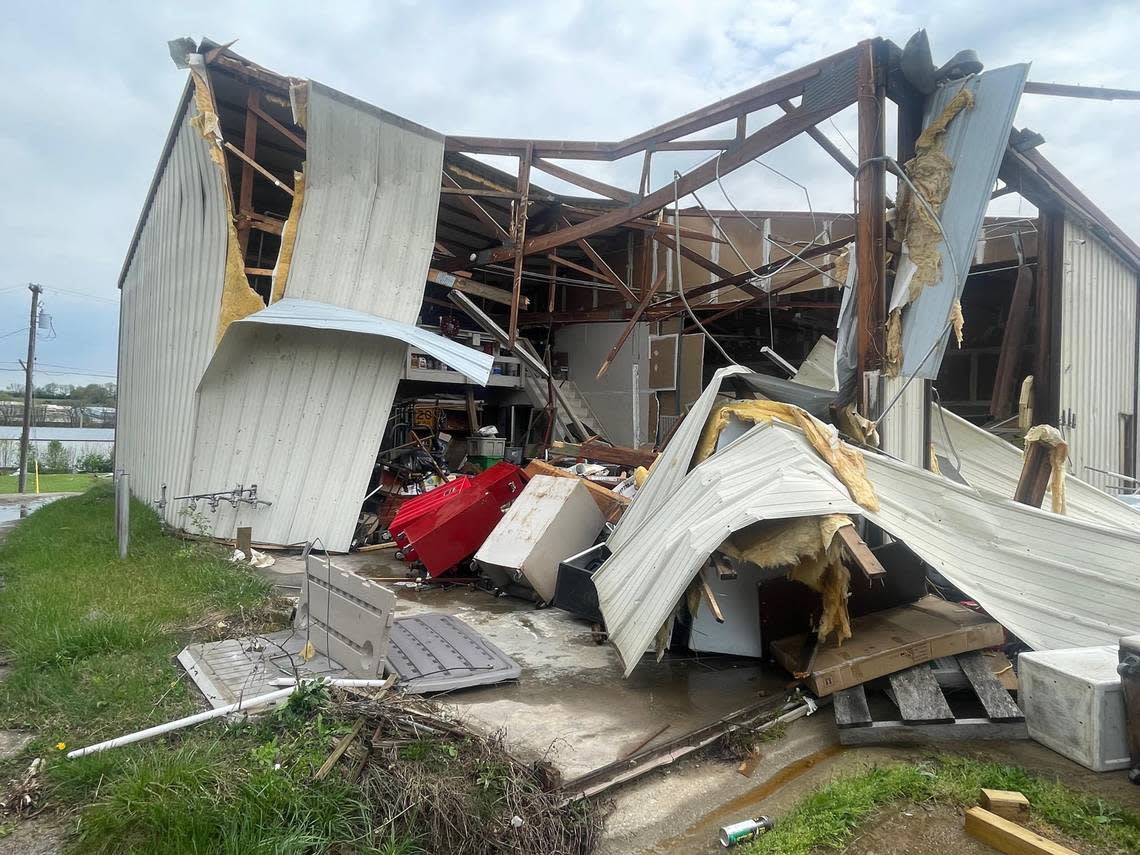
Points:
(345, 682)
(158, 730)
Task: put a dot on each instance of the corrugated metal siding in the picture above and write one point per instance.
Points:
(1053, 581)
(169, 311)
(301, 414)
(902, 427)
(1098, 352)
(371, 199)
(991, 464)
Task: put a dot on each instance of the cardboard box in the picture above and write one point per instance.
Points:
(892, 640)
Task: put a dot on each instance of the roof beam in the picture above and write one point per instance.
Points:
(478, 210)
(585, 182)
(1065, 90)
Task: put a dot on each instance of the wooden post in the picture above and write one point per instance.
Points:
(123, 513)
(869, 222)
(249, 149)
(1036, 469)
(518, 236)
(1047, 298)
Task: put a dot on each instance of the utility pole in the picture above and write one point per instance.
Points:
(26, 433)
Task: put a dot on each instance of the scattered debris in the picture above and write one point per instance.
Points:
(744, 831)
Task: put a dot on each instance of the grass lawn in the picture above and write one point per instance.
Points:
(52, 483)
(827, 820)
(90, 641)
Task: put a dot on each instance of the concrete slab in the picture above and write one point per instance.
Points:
(570, 704)
(12, 742)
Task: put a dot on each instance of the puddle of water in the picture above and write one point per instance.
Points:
(10, 511)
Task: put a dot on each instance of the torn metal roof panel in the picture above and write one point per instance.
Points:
(371, 197)
(991, 464)
(1053, 581)
(290, 311)
(975, 143)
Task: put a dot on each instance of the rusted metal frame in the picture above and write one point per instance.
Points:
(737, 279)
(277, 126)
(518, 238)
(478, 210)
(607, 271)
(249, 149)
(870, 227)
(696, 145)
(638, 310)
(1068, 91)
(477, 193)
(585, 182)
(554, 258)
(762, 141)
(646, 225)
(261, 170)
(738, 305)
(666, 240)
(747, 101)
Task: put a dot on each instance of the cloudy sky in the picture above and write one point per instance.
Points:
(90, 91)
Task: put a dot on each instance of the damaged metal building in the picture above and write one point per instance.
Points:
(305, 261)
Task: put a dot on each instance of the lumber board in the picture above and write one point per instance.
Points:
(615, 454)
(338, 751)
(851, 708)
(606, 499)
(963, 729)
(999, 706)
(919, 697)
(1008, 804)
(1009, 837)
(860, 553)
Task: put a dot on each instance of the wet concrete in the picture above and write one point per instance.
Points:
(16, 506)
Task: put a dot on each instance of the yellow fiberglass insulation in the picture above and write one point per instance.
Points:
(809, 546)
(288, 239)
(845, 461)
(238, 299)
(929, 170)
(1058, 454)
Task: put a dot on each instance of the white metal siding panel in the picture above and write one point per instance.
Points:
(1053, 581)
(371, 199)
(301, 413)
(902, 426)
(170, 300)
(1098, 352)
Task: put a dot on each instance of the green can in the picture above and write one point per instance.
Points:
(744, 831)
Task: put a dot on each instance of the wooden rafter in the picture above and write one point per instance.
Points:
(249, 151)
(585, 182)
(630, 324)
(740, 305)
(261, 170)
(518, 238)
(292, 136)
(606, 271)
(478, 210)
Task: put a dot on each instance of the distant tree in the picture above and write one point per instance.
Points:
(55, 459)
(95, 462)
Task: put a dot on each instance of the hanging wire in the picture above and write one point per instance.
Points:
(680, 278)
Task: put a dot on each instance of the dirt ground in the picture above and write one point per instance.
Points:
(927, 830)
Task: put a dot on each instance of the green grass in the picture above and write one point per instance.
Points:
(91, 641)
(828, 819)
(52, 483)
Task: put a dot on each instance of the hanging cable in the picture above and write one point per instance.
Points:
(680, 278)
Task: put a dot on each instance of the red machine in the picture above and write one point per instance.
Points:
(441, 533)
(420, 505)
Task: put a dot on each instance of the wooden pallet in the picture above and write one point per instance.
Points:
(925, 714)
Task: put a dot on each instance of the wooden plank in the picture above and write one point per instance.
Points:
(277, 126)
(1009, 837)
(851, 708)
(258, 167)
(961, 730)
(710, 598)
(1036, 470)
(244, 540)
(338, 751)
(919, 697)
(469, 286)
(585, 182)
(615, 454)
(476, 193)
(999, 706)
(1007, 376)
(860, 553)
(609, 503)
(518, 239)
(1008, 804)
